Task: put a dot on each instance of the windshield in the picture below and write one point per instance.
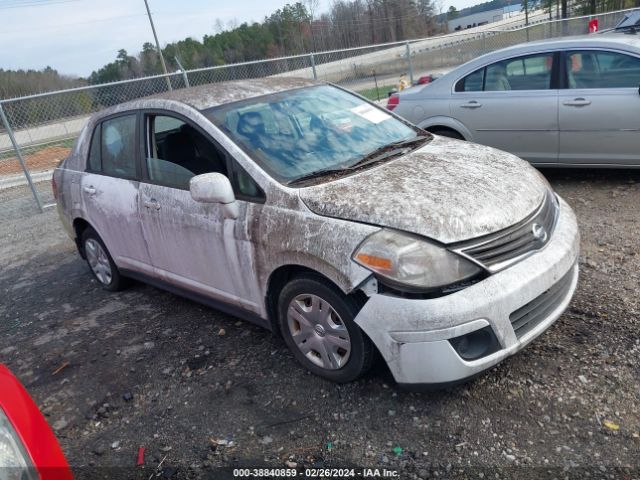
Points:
(295, 133)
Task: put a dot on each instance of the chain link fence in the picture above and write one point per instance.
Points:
(38, 131)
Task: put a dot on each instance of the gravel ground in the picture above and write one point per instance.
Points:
(202, 390)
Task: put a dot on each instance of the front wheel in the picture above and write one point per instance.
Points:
(316, 321)
(101, 263)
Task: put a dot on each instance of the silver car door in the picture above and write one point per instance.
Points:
(193, 245)
(109, 191)
(600, 109)
(512, 105)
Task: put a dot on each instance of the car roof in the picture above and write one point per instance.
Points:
(602, 40)
(214, 94)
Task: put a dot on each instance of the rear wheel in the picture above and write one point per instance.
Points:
(101, 263)
(316, 321)
(447, 132)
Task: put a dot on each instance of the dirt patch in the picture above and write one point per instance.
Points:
(45, 159)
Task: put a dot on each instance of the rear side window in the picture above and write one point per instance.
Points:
(472, 82)
(118, 146)
(523, 73)
(94, 164)
(531, 72)
(599, 69)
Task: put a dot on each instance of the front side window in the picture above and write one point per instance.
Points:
(176, 152)
(118, 146)
(295, 133)
(600, 69)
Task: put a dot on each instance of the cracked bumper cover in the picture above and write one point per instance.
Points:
(412, 335)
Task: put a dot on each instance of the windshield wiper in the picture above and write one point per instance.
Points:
(388, 150)
(317, 173)
(377, 155)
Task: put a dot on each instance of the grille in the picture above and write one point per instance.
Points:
(528, 316)
(499, 250)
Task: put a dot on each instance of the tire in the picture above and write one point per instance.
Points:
(331, 344)
(445, 132)
(100, 262)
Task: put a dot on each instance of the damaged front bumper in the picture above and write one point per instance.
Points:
(517, 304)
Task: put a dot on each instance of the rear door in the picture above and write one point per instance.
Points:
(599, 108)
(109, 191)
(512, 105)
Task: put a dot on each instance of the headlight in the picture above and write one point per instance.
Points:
(410, 261)
(14, 460)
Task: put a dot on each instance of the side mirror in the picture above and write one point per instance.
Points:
(215, 188)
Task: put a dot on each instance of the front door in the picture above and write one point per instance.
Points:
(512, 105)
(600, 109)
(192, 244)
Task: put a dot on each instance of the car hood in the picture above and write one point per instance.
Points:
(447, 190)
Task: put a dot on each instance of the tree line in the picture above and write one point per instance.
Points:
(294, 29)
(291, 30)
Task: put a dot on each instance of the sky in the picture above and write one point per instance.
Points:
(78, 36)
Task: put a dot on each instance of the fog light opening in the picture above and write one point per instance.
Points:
(475, 345)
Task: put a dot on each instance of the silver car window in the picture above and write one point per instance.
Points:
(600, 69)
(531, 72)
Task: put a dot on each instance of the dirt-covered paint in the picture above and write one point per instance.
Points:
(448, 190)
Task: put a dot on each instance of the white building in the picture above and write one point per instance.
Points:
(482, 18)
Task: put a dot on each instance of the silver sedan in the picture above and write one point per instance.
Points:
(565, 102)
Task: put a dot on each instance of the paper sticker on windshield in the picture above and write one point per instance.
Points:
(370, 113)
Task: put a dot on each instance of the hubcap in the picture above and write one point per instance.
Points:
(98, 261)
(318, 331)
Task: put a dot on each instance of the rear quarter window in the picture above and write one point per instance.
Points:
(93, 162)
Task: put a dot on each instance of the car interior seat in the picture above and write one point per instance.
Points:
(180, 148)
(497, 80)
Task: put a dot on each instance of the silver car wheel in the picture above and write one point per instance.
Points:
(318, 331)
(98, 261)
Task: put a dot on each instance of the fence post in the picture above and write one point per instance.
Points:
(184, 73)
(313, 66)
(16, 147)
(409, 64)
(484, 42)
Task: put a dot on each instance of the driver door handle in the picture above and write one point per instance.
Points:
(471, 104)
(89, 190)
(577, 102)
(152, 204)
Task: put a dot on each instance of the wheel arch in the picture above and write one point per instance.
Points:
(282, 275)
(446, 123)
(79, 226)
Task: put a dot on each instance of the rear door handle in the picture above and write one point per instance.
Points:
(577, 102)
(152, 204)
(89, 190)
(471, 104)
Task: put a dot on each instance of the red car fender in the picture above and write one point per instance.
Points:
(32, 428)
